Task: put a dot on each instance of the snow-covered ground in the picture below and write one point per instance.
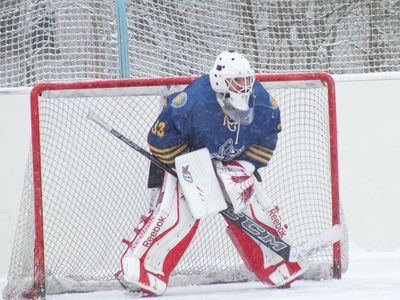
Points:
(371, 276)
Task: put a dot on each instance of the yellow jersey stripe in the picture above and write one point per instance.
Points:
(260, 153)
(259, 148)
(170, 161)
(260, 159)
(154, 149)
(170, 156)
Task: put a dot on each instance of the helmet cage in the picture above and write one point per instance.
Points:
(239, 90)
(243, 117)
(233, 77)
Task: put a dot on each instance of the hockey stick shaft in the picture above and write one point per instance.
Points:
(99, 121)
(248, 225)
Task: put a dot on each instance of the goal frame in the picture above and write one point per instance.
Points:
(39, 251)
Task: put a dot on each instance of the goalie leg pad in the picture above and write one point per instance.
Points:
(264, 212)
(160, 242)
(268, 266)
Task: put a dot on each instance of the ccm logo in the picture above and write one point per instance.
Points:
(255, 230)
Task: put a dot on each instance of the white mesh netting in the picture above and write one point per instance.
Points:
(52, 40)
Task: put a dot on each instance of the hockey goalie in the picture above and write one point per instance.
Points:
(216, 134)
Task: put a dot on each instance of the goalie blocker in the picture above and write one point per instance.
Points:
(165, 233)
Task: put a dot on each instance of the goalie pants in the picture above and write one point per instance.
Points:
(164, 235)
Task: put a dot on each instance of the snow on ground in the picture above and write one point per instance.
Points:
(371, 275)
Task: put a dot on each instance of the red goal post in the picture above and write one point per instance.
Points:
(84, 200)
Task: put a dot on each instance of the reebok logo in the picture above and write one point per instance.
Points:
(276, 219)
(153, 234)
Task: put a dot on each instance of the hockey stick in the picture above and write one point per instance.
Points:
(248, 225)
(95, 118)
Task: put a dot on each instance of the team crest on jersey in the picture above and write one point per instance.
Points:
(179, 101)
(227, 151)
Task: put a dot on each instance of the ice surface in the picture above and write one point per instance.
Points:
(371, 275)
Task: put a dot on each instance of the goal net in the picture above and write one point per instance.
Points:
(85, 190)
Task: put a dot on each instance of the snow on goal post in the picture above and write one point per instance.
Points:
(85, 190)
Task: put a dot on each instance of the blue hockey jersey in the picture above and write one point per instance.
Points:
(193, 119)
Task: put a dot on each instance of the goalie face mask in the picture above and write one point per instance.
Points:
(242, 117)
(233, 77)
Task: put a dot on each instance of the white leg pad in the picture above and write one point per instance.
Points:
(160, 242)
(138, 278)
(268, 214)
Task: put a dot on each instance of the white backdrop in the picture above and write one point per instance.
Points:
(369, 160)
(368, 114)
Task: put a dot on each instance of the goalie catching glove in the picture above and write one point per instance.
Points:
(238, 182)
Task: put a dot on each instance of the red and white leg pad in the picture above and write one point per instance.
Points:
(160, 242)
(269, 267)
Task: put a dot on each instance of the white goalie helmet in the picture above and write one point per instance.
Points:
(233, 78)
